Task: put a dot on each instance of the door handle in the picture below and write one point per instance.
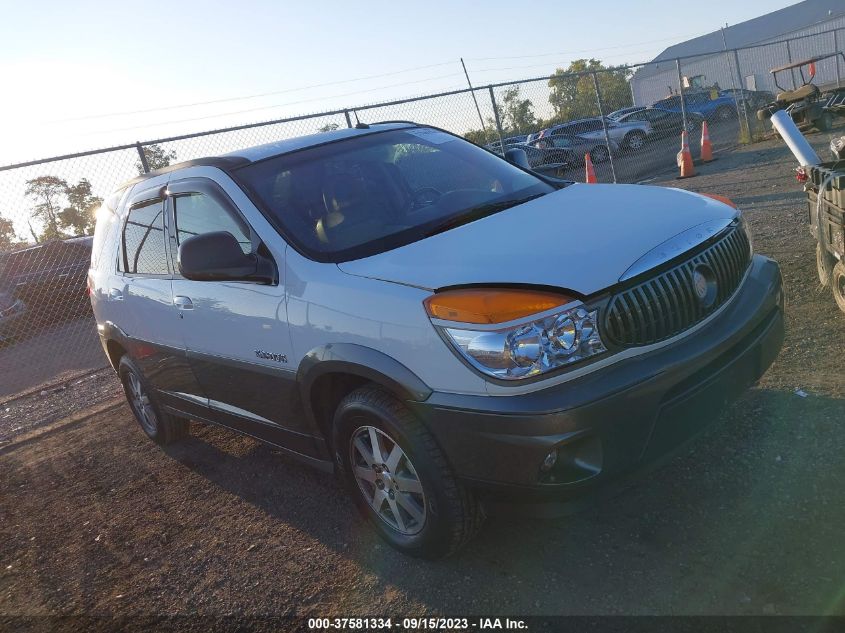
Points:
(115, 294)
(183, 303)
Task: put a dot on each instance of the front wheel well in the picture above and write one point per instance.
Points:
(327, 392)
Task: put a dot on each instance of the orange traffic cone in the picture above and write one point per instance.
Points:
(706, 147)
(590, 172)
(685, 157)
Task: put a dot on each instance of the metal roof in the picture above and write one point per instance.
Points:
(754, 31)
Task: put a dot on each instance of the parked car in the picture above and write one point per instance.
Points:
(664, 122)
(617, 114)
(511, 141)
(49, 278)
(701, 102)
(578, 146)
(630, 136)
(12, 311)
(445, 330)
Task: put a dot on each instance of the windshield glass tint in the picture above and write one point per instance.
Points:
(369, 194)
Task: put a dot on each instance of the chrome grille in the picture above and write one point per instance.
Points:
(667, 304)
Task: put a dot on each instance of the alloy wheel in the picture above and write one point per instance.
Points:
(636, 141)
(140, 403)
(388, 480)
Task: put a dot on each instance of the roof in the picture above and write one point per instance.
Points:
(242, 157)
(753, 31)
(260, 152)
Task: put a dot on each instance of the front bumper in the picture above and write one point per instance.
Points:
(618, 419)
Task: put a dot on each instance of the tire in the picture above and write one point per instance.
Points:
(837, 284)
(634, 140)
(437, 515)
(599, 154)
(160, 426)
(723, 113)
(824, 265)
(693, 126)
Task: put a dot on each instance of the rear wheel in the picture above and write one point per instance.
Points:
(599, 154)
(824, 264)
(160, 426)
(724, 113)
(837, 284)
(634, 140)
(399, 478)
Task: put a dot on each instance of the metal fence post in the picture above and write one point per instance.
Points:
(604, 126)
(681, 93)
(744, 101)
(348, 119)
(791, 70)
(836, 59)
(496, 117)
(143, 157)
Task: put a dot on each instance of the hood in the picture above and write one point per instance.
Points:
(581, 238)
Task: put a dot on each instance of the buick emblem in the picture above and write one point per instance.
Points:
(704, 284)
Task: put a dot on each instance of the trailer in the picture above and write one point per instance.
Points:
(825, 187)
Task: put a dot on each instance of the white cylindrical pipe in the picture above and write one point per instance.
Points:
(793, 138)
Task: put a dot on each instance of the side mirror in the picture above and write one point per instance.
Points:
(518, 157)
(217, 256)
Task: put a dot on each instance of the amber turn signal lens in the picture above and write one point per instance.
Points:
(724, 199)
(486, 305)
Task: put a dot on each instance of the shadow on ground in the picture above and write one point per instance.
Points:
(748, 521)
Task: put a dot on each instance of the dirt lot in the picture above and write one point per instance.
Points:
(96, 519)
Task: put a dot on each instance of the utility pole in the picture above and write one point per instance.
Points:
(472, 92)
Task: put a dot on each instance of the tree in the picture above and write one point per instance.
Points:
(78, 216)
(573, 96)
(479, 137)
(328, 127)
(156, 157)
(517, 115)
(46, 192)
(7, 234)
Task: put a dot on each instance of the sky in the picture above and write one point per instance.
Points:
(83, 75)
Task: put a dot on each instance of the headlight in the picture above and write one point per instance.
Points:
(514, 334)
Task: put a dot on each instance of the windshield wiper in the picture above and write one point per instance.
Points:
(477, 213)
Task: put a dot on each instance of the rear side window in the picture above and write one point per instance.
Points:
(197, 213)
(104, 230)
(143, 250)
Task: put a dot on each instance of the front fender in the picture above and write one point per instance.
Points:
(358, 360)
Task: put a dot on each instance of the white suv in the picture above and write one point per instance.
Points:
(449, 332)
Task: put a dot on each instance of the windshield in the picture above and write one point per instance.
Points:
(366, 195)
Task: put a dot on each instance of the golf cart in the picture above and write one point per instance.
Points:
(806, 104)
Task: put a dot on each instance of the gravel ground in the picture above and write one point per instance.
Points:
(95, 519)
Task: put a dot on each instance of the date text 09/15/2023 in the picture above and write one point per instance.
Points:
(415, 624)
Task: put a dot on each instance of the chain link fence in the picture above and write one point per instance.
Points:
(47, 207)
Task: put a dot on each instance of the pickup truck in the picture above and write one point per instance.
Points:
(720, 108)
